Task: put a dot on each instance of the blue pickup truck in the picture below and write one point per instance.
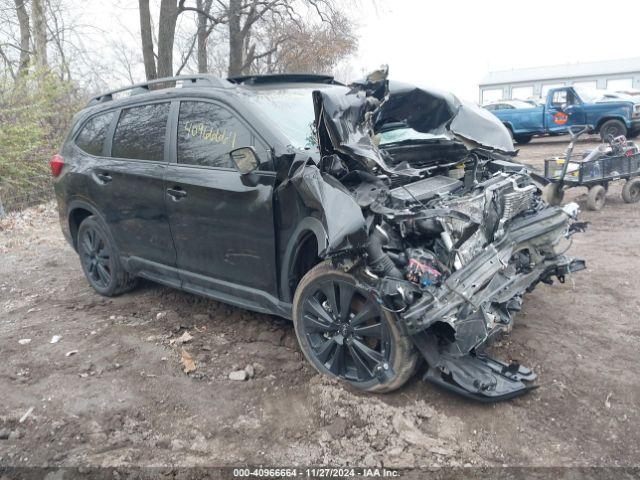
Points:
(569, 106)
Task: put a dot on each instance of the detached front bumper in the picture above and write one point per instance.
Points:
(451, 325)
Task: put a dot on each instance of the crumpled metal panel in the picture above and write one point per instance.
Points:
(347, 122)
(480, 128)
(341, 216)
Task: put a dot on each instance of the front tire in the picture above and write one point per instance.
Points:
(612, 127)
(344, 333)
(100, 260)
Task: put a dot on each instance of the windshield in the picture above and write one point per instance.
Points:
(291, 110)
(590, 95)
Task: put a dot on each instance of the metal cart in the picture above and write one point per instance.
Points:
(616, 159)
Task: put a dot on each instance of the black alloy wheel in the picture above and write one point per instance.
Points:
(345, 333)
(100, 260)
(95, 255)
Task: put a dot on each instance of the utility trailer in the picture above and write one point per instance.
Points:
(613, 160)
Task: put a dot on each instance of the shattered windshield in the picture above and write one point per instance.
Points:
(405, 134)
(291, 110)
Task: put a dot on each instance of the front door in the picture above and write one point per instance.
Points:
(563, 111)
(222, 222)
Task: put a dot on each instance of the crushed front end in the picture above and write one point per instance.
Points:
(461, 260)
(441, 224)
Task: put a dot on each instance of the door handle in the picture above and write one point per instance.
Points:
(176, 193)
(104, 177)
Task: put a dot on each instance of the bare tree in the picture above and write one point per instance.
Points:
(57, 29)
(146, 34)
(39, 33)
(203, 34)
(25, 37)
(169, 12)
(307, 47)
(247, 17)
(166, 35)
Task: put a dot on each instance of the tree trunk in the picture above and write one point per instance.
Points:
(166, 35)
(236, 39)
(204, 5)
(25, 37)
(147, 41)
(39, 33)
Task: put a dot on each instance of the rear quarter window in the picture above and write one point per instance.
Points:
(140, 132)
(92, 135)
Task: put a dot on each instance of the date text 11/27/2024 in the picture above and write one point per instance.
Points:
(315, 472)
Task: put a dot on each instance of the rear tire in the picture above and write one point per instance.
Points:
(553, 194)
(522, 139)
(100, 259)
(612, 127)
(631, 190)
(596, 198)
(352, 344)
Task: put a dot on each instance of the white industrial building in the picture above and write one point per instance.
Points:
(526, 83)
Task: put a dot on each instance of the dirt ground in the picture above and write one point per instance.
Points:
(123, 399)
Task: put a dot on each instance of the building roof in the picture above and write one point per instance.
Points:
(570, 70)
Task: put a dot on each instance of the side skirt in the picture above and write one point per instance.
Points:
(225, 292)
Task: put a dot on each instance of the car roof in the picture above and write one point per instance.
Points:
(162, 86)
(234, 92)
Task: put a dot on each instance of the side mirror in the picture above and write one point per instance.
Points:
(245, 159)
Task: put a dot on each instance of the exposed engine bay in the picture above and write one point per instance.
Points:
(440, 223)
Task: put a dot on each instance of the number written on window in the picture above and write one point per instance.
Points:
(91, 137)
(207, 133)
(140, 132)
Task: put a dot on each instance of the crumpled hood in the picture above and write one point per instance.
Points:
(346, 121)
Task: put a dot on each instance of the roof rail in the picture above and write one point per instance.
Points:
(201, 80)
(283, 78)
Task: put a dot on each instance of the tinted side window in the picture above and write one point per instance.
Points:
(207, 133)
(91, 137)
(140, 132)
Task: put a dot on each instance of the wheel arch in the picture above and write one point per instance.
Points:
(77, 211)
(606, 119)
(309, 234)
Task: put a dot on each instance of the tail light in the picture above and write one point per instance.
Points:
(56, 163)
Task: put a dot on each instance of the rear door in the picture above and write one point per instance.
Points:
(222, 222)
(127, 184)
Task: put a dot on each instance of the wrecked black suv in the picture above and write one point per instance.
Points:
(389, 222)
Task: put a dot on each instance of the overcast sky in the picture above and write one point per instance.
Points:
(452, 44)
